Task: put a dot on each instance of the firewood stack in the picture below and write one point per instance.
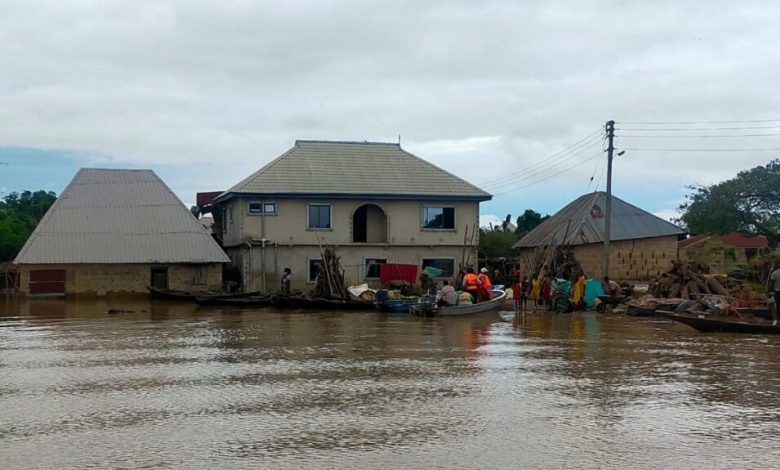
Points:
(559, 260)
(330, 282)
(690, 280)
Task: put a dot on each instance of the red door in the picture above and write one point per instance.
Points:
(47, 281)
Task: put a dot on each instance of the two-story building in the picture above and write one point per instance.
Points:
(374, 202)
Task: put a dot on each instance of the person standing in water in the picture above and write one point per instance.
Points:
(286, 281)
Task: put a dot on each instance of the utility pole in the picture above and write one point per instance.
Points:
(608, 211)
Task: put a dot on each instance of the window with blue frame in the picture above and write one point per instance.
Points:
(319, 216)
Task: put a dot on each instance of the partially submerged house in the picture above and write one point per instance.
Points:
(374, 202)
(642, 245)
(118, 231)
(723, 253)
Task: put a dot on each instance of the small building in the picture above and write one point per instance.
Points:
(642, 245)
(723, 253)
(114, 231)
(374, 202)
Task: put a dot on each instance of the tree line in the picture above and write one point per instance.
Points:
(19, 214)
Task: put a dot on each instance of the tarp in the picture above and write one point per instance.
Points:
(593, 289)
(389, 272)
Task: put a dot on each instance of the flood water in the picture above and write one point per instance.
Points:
(175, 386)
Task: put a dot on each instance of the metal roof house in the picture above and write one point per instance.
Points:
(641, 244)
(374, 201)
(118, 231)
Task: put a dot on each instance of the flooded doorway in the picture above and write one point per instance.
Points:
(160, 277)
(369, 224)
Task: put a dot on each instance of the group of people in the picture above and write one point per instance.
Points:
(539, 291)
(545, 291)
(473, 288)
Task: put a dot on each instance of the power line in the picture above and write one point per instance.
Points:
(552, 176)
(537, 172)
(635, 149)
(697, 122)
(699, 129)
(697, 136)
(585, 140)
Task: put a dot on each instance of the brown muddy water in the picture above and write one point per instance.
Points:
(176, 386)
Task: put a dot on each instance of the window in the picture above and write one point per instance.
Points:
(319, 216)
(230, 214)
(438, 217)
(200, 275)
(447, 265)
(314, 267)
(258, 208)
(373, 266)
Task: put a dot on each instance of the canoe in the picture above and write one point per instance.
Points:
(219, 299)
(710, 324)
(491, 306)
(396, 305)
(640, 310)
(296, 302)
(246, 301)
(170, 294)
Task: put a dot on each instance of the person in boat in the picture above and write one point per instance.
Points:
(611, 287)
(286, 281)
(464, 298)
(447, 297)
(471, 283)
(485, 286)
(774, 284)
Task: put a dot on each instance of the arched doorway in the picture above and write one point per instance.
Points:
(369, 224)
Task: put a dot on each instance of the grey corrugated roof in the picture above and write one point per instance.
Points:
(362, 169)
(119, 216)
(582, 222)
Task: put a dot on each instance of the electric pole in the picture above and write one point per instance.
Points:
(608, 210)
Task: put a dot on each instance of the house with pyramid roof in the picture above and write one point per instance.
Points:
(113, 231)
(642, 245)
(374, 202)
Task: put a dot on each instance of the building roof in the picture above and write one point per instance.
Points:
(735, 239)
(582, 222)
(354, 169)
(119, 216)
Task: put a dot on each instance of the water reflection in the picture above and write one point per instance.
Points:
(171, 384)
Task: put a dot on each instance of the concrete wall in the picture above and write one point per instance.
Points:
(101, 279)
(639, 259)
(721, 258)
(276, 258)
(289, 226)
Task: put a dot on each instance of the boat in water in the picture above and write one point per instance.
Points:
(250, 300)
(719, 324)
(428, 309)
(301, 302)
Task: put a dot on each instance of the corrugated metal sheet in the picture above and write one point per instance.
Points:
(582, 222)
(119, 216)
(360, 168)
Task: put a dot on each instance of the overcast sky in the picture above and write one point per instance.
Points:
(207, 92)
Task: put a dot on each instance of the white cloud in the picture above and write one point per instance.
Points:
(667, 214)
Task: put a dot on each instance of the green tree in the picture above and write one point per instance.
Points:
(529, 221)
(19, 214)
(496, 243)
(749, 203)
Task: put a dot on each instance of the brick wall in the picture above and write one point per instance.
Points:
(639, 259)
(101, 279)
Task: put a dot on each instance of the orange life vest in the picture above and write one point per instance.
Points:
(471, 281)
(485, 281)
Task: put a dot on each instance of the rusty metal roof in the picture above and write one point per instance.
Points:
(582, 222)
(350, 169)
(119, 216)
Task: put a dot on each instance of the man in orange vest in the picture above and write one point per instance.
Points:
(471, 283)
(485, 286)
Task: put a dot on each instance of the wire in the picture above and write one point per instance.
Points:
(698, 136)
(701, 150)
(550, 177)
(681, 129)
(539, 171)
(585, 140)
(698, 122)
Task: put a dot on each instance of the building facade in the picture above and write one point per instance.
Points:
(373, 202)
(118, 231)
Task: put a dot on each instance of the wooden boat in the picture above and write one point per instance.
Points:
(711, 324)
(300, 302)
(425, 309)
(636, 310)
(170, 294)
(396, 305)
(246, 301)
(220, 299)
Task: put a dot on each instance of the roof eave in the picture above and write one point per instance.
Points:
(397, 197)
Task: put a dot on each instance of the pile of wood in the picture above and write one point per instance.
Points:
(559, 260)
(330, 277)
(690, 280)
